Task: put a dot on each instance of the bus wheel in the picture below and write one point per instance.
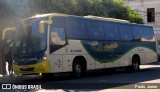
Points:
(135, 63)
(78, 69)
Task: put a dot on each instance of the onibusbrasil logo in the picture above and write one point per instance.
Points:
(17, 86)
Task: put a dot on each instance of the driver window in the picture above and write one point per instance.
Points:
(57, 36)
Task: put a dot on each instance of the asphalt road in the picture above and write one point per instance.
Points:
(101, 81)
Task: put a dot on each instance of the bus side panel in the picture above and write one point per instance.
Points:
(125, 60)
(67, 62)
(109, 65)
(58, 63)
(56, 60)
(90, 63)
(99, 65)
(140, 52)
(62, 60)
(150, 52)
(150, 56)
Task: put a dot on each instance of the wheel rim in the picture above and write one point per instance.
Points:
(78, 69)
(135, 65)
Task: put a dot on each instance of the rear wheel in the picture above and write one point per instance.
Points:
(135, 64)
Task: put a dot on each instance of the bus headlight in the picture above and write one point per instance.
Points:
(44, 57)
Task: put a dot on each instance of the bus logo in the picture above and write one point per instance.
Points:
(6, 86)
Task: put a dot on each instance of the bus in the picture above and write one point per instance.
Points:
(58, 43)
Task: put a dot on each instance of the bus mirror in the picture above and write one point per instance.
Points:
(5, 30)
(41, 25)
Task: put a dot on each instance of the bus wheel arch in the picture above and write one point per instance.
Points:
(79, 66)
(136, 61)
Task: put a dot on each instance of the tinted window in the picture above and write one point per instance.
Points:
(125, 32)
(76, 29)
(59, 22)
(57, 36)
(148, 32)
(95, 30)
(137, 32)
(111, 31)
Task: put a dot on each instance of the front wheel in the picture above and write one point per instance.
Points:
(78, 69)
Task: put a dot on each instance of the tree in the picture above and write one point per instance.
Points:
(119, 9)
(105, 8)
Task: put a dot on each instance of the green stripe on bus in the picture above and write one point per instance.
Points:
(118, 56)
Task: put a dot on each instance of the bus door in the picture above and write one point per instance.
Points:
(57, 42)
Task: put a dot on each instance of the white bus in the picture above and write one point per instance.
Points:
(57, 43)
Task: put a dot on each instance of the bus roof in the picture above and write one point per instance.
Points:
(108, 19)
(46, 15)
(49, 14)
(86, 17)
(89, 16)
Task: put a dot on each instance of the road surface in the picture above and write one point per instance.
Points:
(100, 81)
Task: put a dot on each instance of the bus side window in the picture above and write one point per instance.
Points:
(125, 32)
(149, 34)
(57, 36)
(76, 29)
(111, 31)
(95, 30)
(137, 33)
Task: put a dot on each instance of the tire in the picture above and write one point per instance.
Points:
(135, 64)
(78, 69)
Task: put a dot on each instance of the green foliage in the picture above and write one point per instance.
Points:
(104, 8)
(119, 9)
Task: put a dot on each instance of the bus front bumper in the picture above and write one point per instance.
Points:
(41, 67)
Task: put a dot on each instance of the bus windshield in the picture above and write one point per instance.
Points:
(28, 39)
